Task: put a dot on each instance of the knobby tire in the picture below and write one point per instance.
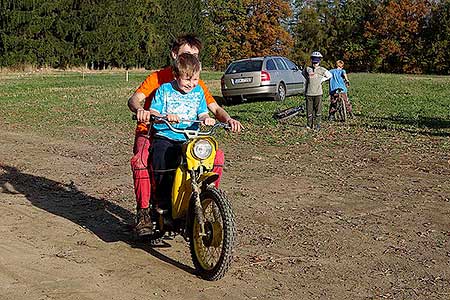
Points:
(216, 199)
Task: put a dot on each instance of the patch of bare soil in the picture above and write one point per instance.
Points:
(338, 217)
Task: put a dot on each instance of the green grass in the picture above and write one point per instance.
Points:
(68, 103)
(400, 103)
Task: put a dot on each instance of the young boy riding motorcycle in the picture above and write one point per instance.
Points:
(145, 93)
(179, 100)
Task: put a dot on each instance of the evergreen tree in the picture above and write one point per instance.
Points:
(36, 33)
(172, 19)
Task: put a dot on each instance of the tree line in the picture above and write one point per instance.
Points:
(396, 36)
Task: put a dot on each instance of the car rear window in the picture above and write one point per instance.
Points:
(244, 66)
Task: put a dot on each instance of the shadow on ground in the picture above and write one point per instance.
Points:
(109, 221)
(421, 125)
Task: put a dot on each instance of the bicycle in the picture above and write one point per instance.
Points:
(341, 108)
(288, 113)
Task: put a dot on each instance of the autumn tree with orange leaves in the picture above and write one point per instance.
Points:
(265, 33)
(246, 28)
(395, 31)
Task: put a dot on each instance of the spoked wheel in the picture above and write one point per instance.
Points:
(288, 113)
(212, 253)
(342, 110)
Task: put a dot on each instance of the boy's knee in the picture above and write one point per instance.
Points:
(137, 163)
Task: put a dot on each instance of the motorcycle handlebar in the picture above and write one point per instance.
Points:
(184, 131)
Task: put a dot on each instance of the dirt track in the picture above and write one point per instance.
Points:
(363, 219)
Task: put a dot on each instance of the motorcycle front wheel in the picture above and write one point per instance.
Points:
(212, 253)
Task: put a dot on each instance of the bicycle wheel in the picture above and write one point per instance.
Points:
(288, 113)
(342, 110)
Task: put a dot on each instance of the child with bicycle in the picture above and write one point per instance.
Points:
(180, 101)
(338, 85)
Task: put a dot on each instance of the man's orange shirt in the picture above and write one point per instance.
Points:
(153, 82)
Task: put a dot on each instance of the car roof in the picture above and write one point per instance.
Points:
(257, 58)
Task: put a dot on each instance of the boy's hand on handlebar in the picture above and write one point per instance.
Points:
(209, 121)
(173, 118)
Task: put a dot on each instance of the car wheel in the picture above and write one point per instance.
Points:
(281, 92)
(236, 99)
(233, 100)
(228, 100)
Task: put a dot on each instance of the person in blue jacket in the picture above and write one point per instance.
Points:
(339, 80)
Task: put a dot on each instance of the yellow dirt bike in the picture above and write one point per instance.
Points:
(198, 211)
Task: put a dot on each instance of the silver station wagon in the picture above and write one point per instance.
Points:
(262, 77)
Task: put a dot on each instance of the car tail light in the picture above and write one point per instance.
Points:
(265, 76)
(222, 81)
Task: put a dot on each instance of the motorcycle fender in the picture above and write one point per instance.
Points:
(208, 177)
(181, 193)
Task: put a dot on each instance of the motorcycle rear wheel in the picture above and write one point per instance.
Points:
(212, 254)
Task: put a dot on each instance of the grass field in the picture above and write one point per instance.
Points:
(358, 210)
(62, 103)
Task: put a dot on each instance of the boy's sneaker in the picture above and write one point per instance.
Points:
(331, 118)
(144, 224)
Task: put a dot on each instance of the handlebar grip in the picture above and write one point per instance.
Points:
(155, 118)
(152, 118)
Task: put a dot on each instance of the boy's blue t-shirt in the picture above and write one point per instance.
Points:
(337, 80)
(188, 106)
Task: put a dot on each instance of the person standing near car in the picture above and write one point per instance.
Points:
(315, 75)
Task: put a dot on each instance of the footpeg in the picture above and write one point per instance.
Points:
(162, 211)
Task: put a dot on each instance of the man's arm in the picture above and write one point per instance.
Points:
(135, 101)
(224, 117)
(135, 105)
(326, 76)
(346, 81)
(218, 111)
